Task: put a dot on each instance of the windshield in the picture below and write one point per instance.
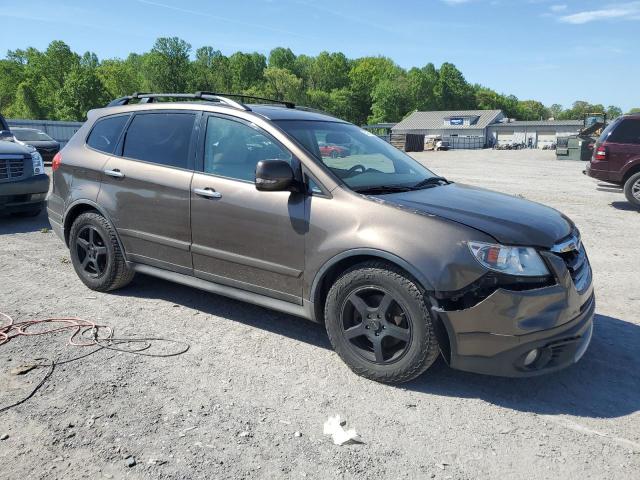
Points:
(31, 135)
(357, 157)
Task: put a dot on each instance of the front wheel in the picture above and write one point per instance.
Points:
(379, 324)
(632, 190)
(96, 254)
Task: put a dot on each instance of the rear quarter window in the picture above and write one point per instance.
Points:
(106, 132)
(627, 131)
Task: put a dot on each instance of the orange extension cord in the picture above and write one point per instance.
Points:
(78, 328)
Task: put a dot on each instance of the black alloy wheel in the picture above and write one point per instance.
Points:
(91, 251)
(378, 321)
(376, 325)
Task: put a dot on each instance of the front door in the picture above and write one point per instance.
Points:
(243, 237)
(146, 189)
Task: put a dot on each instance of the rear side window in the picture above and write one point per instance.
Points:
(105, 133)
(161, 138)
(628, 131)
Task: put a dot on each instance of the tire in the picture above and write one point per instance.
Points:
(404, 330)
(96, 254)
(29, 213)
(632, 190)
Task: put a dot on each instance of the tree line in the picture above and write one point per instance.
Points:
(59, 84)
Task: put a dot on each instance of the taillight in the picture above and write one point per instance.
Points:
(56, 162)
(601, 153)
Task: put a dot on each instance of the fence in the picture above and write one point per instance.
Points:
(465, 143)
(59, 131)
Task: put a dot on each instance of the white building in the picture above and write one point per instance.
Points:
(484, 128)
(539, 133)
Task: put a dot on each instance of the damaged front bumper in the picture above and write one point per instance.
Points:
(552, 325)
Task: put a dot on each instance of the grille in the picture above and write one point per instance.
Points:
(578, 265)
(12, 167)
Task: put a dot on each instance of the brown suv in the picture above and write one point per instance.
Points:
(398, 263)
(616, 156)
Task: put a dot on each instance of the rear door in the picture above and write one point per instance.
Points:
(146, 188)
(243, 237)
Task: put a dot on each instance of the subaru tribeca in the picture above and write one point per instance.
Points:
(398, 263)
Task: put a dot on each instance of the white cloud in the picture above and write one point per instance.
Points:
(455, 2)
(622, 11)
(558, 8)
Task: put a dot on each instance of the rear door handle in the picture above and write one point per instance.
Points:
(207, 192)
(114, 173)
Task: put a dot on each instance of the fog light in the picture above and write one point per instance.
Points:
(531, 357)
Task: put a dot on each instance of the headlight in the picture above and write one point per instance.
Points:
(523, 261)
(38, 164)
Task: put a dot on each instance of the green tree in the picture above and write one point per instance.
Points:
(452, 90)
(246, 70)
(81, 92)
(121, 77)
(634, 110)
(167, 65)
(391, 100)
(282, 58)
(421, 84)
(281, 84)
(531, 110)
(210, 71)
(613, 112)
(556, 111)
(329, 71)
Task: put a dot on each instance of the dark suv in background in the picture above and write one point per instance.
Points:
(398, 263)
(46, 146)
(616, 156)
(23, 181)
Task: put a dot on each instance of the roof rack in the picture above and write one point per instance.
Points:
(222, 98)
(151, 97)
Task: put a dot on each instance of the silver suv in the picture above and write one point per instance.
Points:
(301, 212)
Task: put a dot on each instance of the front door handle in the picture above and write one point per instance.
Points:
(114, 173)
(207, 192)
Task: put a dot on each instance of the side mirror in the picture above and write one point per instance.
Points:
(275, 176)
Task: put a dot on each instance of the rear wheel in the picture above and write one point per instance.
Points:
(379, 324)
(96, 254)
(632, 190)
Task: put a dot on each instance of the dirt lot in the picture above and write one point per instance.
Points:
(230, 407)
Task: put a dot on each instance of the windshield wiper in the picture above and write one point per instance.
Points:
(431, 182)
(383, 189)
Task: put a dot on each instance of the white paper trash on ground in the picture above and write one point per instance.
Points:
(334, 427)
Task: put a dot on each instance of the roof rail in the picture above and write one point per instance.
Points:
(144, 97)
(151, 97)
(250, 97)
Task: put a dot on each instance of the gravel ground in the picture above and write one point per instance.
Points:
(231, 406)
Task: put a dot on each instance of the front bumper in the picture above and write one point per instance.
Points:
(494, 336)
(24, 195)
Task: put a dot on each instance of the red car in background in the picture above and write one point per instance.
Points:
(333, 151)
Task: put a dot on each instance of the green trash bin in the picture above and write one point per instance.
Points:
(574, 148)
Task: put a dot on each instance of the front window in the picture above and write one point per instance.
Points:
(359, 158)
(31, 136)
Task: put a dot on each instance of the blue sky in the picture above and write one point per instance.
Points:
(550, 50)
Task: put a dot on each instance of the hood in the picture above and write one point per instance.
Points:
(12, 148)
(508, 219)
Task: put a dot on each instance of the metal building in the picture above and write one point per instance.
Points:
(538, 134)
(461, 128)
(59, 131)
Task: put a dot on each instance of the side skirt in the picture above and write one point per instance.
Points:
(305, 310)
